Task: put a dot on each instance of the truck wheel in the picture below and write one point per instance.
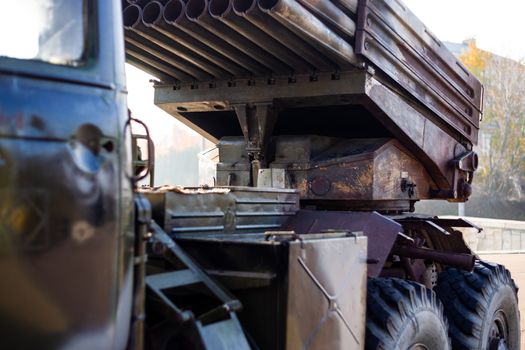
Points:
(404, 315)
(481, 306)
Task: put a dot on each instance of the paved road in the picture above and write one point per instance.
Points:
(516, 264)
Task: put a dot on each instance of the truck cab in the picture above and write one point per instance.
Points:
(66, 234)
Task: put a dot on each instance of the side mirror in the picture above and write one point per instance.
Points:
(143, 154)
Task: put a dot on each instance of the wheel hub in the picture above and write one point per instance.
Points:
(498, 330)
(498, 344)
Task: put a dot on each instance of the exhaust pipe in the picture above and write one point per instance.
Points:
(307, 26)
(251, 12)
(152, 14)
(197, 11)
(174, 16)
(222, 10)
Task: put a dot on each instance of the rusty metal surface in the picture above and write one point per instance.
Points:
(458, 260)
(229, 56)
(153, 18)
(223, 11)
(326, 294)
(380, 231)
(239, 37)
(221, 209)
(307, 26)
(401, 46)
(175, 20)
(437, 236)
(185, 64)
(335, 18)
(459, 222)
(326, 90)
(269, 38)
(325, 169)
(431, 142)
(249, 10)
(198, 12)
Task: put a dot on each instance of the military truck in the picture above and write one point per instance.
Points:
(332, 118)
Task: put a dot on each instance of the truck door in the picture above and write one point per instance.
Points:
(65, 194)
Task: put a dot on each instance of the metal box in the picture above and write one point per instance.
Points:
(303, 292)
(221, 209)
(326, 294)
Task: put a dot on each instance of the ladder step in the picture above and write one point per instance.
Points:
(218, 328)
(172, 279)
(224, 335)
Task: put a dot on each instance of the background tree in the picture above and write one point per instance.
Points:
(502, 160)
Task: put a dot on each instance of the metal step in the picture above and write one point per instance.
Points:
(218, 328)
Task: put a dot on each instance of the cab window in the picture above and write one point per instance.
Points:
(46, 30)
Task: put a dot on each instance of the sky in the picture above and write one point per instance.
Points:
(498, 26)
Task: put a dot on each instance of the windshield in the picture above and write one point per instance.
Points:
(45, 30)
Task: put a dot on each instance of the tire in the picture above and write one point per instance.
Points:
(481, 306)
(404, 315)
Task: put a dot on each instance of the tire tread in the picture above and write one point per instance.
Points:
(391, 303)
(466, 296)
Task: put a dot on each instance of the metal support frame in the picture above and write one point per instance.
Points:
(438, 234)
(257, 122)
(218, 328)
(142, 220)
(433, 240)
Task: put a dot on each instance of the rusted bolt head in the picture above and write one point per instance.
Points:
(320, 185)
